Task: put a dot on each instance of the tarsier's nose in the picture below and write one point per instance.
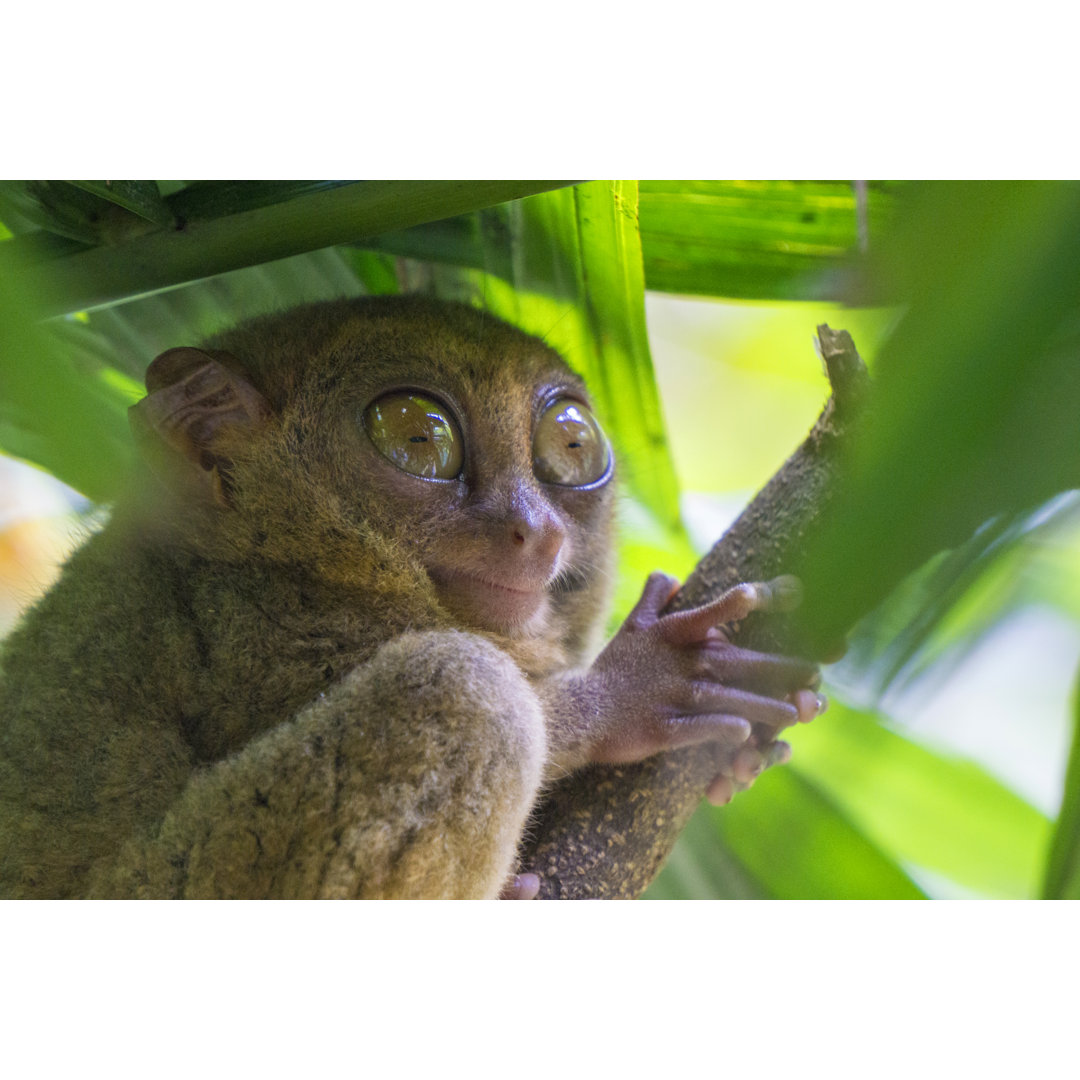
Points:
(538, 535)
(534, 528)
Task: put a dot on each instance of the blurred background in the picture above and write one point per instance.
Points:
(942, 766)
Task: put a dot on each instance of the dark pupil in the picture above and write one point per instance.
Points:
(417, 438)
(573, 445)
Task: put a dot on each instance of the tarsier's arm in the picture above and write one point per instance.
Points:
(665, 682)
(360, 796)
(669, 681)
(297, 812)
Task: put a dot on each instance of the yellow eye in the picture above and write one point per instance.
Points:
(569, 446)
(417, 434)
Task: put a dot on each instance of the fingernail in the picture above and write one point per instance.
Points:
(720, 792)
(787, 592)
(822, 703)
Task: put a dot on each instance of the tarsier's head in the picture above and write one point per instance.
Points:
(354, 438)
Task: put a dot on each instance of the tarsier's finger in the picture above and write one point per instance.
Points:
(721, 791)
(719, 728)
(658, 590)
(523, 887)
(777, 753)
(808, 704)
(748, 765)
(775, 714)
(723, 788)
(780, 594)
(764, 673)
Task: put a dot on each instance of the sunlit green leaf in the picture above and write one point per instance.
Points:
(928, 808)
(61, 406)
(761, 240)
(700, 867)
(788, 840)
(774, 240)
(1063, 864)
(978, 389)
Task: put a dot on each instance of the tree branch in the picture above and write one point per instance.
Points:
(606, 831)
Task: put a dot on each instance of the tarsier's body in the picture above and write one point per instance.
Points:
(339, 635)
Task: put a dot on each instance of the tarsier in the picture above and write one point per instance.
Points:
(340, 632)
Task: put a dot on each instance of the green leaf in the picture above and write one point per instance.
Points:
(202, 200)
(1063, 863)
(794, 842)
(759, 240)
(140, 197)
(977, 390)
(775, 240)
(578, 284)
(307, 222)
(61, 406)
(138, 330)
(700, 867)
(52, 205)
(928, 809)
(477, 241)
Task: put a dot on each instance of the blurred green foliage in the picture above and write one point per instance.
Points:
(966, 299)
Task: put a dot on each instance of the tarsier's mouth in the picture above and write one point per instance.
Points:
(491, 603)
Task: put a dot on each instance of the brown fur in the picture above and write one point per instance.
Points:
(263, 694)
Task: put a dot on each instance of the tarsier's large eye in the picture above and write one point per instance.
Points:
(416, 433)
(569, 446)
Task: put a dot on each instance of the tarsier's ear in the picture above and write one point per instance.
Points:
(194, 397)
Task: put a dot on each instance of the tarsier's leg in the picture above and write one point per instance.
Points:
(451, 742)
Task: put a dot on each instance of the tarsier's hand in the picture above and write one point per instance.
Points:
(667, 681)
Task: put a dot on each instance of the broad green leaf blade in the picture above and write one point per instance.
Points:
(978, 389)
(61, 406)
(374, 271)
(752, 240)
(928, 809)
(202, 200)
(63, 209)
(774, 240)
(577, 270)
(1063, 863)
(140, 197)
(141, 328)
(165, 258)
(792, 840)
(944, 611)
(478, 241)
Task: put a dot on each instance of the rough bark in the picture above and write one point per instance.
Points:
(606, 832)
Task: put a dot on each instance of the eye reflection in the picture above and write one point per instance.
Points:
(569, 446)
(416, 433)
